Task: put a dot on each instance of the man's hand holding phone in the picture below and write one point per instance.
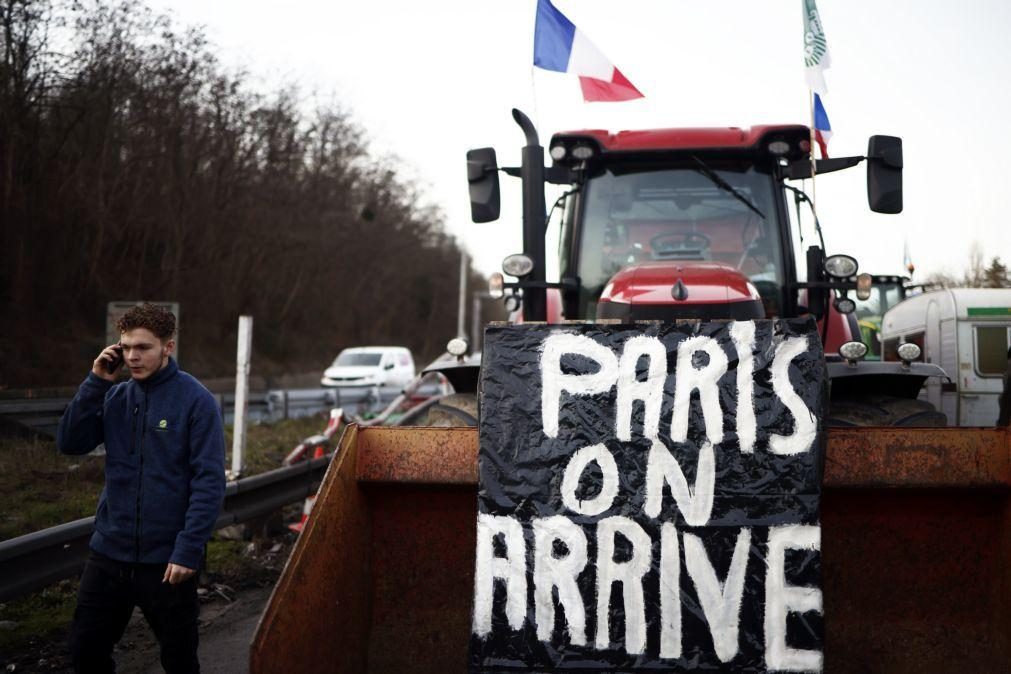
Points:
(108, 362)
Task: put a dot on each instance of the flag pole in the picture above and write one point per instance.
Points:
(811, 131)
(533, 94)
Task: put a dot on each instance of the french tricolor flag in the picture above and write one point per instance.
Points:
(822, 128)
(560, 46)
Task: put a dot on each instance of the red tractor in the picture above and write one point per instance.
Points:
(693, 223)
(668, 225)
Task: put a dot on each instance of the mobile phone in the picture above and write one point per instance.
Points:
(113, 365)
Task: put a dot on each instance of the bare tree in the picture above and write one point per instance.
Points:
(135, 167)
(974, 275)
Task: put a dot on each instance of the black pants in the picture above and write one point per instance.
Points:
(108, 594)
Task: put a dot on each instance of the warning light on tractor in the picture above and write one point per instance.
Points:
(864, 282)
(496, 286)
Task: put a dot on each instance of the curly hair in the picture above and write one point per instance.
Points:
(161, 322)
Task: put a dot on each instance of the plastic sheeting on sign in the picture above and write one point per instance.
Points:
(649, 498)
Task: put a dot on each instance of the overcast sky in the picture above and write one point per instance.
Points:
(429, 80)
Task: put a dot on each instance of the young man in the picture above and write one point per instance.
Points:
(164, 486)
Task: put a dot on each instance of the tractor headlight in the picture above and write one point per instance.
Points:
(841, 266)
(517, 265)
(853, 351)
(778, 147)
(457, 347)
(845, 305)
(909, 352)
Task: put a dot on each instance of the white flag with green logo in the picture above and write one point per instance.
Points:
(816, 56)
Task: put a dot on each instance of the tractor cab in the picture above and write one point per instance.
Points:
(669, 224)
(675, 239)
(666, 224)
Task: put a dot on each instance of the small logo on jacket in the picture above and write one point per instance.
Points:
(163, 425)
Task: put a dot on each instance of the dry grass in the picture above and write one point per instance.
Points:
(39, 488)
(268, 444)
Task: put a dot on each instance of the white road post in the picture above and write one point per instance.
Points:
(462, 306)
(241, 394)
(475, 321)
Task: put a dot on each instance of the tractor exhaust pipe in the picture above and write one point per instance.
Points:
(532, 174)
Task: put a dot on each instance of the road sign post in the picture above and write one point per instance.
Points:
(241, 394)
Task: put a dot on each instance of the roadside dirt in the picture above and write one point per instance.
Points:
(226, 631)
(231, 605)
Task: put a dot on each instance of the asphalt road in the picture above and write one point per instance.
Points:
(226, 631)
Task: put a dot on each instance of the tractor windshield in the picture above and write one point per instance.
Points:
(681, 215)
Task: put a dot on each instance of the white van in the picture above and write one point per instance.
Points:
(387, 366)
(964, 330)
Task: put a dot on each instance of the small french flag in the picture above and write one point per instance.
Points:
(822, 128)
(560, 46)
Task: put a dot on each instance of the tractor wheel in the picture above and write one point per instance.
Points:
(884, 411)
(458, 409)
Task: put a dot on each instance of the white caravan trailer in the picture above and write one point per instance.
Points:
(967, 332)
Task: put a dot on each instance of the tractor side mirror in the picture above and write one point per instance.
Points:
(884, 174)
(482, 176)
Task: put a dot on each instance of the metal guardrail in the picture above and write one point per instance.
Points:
(35, 560)
(295, 403)
(42, 415)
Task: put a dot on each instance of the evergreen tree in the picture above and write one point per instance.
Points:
(995, 275)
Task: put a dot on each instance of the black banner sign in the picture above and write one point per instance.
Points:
(649, 498)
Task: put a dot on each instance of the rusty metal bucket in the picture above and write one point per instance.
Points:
(916, 555)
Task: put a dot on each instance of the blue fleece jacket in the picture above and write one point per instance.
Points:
(164, 464)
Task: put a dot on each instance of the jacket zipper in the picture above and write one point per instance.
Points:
(140, 480)
(133, 429)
